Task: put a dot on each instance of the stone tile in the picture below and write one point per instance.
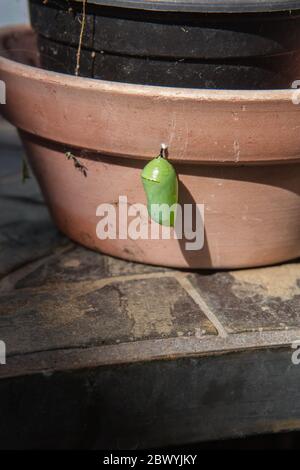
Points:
(157, 307)
(10, 161)
(254, 299)
(82, 264)
(12, 186)
(119, 312)
(24, 242)
(15, 209)
(26, 231)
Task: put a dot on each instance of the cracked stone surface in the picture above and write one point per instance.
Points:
(255, 299)
(119, 312)
(81, 264)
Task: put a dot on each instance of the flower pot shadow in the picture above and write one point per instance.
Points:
(185, 197)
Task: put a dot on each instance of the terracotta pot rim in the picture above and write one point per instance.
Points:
(131, 121)
(159, 92)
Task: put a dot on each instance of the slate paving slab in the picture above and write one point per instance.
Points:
(81, 264)
(119, 312)
(253, 299)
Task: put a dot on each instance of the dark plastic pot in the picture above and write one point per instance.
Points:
(187, 48)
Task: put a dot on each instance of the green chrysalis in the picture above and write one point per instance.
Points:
(161, 187)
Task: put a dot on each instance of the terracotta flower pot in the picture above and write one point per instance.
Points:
(236, 152)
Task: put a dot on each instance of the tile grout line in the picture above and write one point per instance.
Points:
(189, 288)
